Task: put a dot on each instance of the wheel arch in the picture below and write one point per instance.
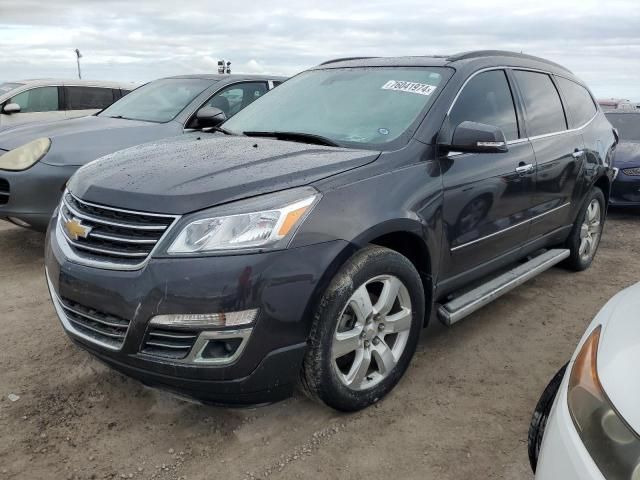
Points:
(604, 184)
(405, 237)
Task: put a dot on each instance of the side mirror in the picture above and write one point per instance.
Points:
(10, 108)
(210, 117)
(472, 137)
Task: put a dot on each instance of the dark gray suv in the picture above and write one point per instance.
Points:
(313, 237)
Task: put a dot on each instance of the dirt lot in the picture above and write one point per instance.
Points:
(461, 412)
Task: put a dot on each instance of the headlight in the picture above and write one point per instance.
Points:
(632, 172)
(612, 444)
(25, 156)
(222, 229)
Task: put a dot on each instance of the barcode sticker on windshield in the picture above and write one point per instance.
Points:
(409, 87)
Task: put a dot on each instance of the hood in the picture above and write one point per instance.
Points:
(627, 155)
(78, 141)
(619, 354)
(201, 170)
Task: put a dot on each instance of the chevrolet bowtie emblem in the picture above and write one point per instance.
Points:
(75, 229)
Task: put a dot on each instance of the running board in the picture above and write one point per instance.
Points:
(466, 304)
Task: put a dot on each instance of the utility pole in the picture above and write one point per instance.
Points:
(78, 57)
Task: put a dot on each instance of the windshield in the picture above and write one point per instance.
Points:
(7, 87)
(628, 125)
(158, 101)
(361, 106)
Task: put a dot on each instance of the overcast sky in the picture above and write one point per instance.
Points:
(140, 40)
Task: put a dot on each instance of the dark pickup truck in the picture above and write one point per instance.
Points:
(313, 235)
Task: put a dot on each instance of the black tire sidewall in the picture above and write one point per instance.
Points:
(541, 416)
(320, 376)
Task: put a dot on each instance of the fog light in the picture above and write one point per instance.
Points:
(221, 348)
(206, 320)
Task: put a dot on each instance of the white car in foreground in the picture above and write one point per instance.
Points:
(590, 430)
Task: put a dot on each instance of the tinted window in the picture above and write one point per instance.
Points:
(628, 125)
(542, 103)
(88, 98)
(360, 106)
(487, 99)
(158, 101)
(236, 97)
(579, 102)
(44, 99)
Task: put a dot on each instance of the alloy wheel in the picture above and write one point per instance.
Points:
(590, 230)
(372, 332)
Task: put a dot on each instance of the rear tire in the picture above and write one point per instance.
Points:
(584, 240)
(365, 330)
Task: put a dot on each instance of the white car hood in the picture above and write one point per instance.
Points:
(619, 354)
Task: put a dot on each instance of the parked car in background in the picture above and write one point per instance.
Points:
(37, 160)
(587, 423)
(29, 101)
(626, 187)
(617, 104)
(314, 234)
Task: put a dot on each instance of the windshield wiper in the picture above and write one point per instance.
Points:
(120, 117)
(295, 137)
(218, 129)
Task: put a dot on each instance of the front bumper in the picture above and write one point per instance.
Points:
(563, 455)
(625, 190)
(282, 285)
(33, 194)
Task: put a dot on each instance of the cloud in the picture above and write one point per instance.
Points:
(143, 40)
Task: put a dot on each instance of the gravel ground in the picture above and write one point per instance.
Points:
(462, 411)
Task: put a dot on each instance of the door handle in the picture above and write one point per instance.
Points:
(522, 169)
(577, 153)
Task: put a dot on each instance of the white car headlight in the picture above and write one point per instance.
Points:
(25, 156)
(613, 445)
(271, 227)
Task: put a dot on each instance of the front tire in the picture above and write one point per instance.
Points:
(586, 234)
(365, 330)
(541, 416)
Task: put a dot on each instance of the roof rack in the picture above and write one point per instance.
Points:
(501, 53)
(345, 59)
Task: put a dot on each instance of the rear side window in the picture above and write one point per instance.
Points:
(542, 103)
(88, 98)
(43, 99)
(487, 99)
(579, 102)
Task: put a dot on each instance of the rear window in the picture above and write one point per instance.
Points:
(542, 103)
(88, 98)
(627, 124)
(579, 102)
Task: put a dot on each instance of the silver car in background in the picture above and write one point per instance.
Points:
(28, 101)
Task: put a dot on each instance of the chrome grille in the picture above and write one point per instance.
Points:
(4, 191)
(115, 236)
(100, 327)
(169, 343)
